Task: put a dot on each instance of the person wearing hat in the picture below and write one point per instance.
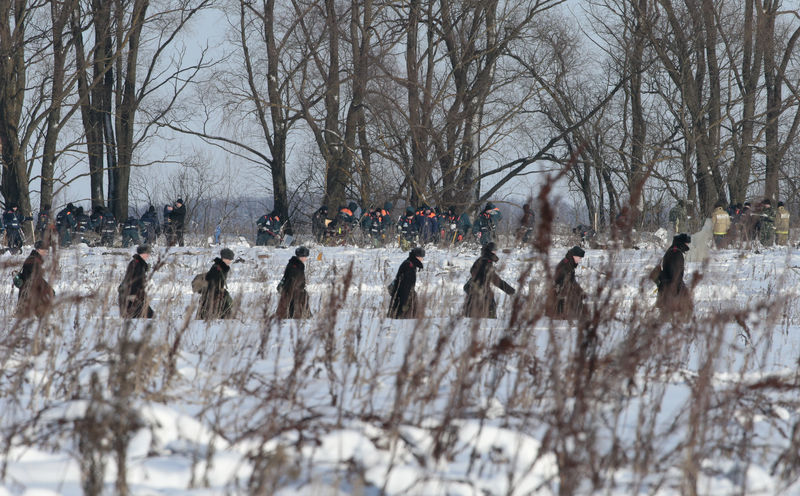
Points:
(215, 301)
(480, 302)
(566, 297)
(403, 303)
(319, 222)
(721, 224)
(674, 297)
(65, 224)
(12, 222)
(35, 293)
(150, 225)
(407, 229)
(293, 301)
(486, 224)
(132, 297)
(177, 218)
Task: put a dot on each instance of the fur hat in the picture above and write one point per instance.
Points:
(576, 251)
(681, 238)
(226, 254)
(141, 249)
(301, 251)
(490, 247)
(179, 200)
(39, 245)
(417, 252)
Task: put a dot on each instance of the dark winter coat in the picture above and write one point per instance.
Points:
(35, 295)
(293, 302)
(215, 301)
(674, 298)
(480, 302)
(12, 222)
(178, 217)
(177, 220)
(566, 297)
(404, 298)
(150, 226)
(132, 297)
(318, 224)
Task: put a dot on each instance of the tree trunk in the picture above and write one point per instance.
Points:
(126, 114)
(12, 95)
(59, 14)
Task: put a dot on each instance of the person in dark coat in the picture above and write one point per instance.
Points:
(177, 220)
(65, 224)
(12, 222)
(35, 294)
(169, 227)
(108, 228)
(132, 297)
(403, 304)
(480, 302)
(566, 297)
(130, 232)
(150, 227)
(319, 224)
(215, 301)
(293, 302)
(674, 298)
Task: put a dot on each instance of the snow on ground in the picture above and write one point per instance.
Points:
(350, 402)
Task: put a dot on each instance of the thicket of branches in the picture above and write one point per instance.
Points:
(442, 102)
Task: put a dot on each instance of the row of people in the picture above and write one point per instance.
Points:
(565, 299)
(101, 226)
(421, 225)
(743, 223)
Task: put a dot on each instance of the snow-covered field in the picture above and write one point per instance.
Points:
(350, 402)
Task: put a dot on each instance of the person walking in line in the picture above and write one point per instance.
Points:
(480, 303)
(293, 301)
(215, 301)
(674, 297)
(35, 293)
(566, 299)
(132, 295)
(403, 304)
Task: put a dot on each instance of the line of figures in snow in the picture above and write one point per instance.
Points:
(739, 224)
(98, 228)
(565, 300)
(378, 226)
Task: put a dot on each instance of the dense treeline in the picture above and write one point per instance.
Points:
(449, 103)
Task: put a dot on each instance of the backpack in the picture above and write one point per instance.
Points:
(655, 273)
(199, 283)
